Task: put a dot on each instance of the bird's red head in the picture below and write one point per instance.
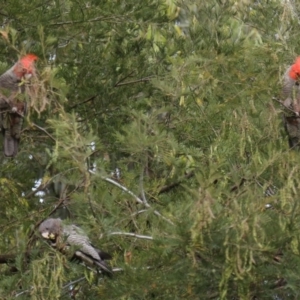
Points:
(28, 60)
(295, 69)
(25, 65)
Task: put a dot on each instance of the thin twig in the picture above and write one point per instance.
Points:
(81, 21)
(134, 196)
(287, 108)
(170, 186)
(139, 236)
(124, 189)
(73, 282)
(160, 215)
(84, 101)
(44, 130)
(41, 187)
(142, 188)
(121, 269)
(122, 79)
(139, 212)
(23, 292)
(145, 79)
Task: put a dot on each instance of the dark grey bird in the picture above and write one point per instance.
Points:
(64, 236)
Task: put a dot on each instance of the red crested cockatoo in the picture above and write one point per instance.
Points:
(291, 100)
(12, 111)
(291, 87)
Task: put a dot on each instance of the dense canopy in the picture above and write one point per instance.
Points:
(155, 127)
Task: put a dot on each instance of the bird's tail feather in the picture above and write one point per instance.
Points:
(11, 144)
(91, 261)
(104, 267)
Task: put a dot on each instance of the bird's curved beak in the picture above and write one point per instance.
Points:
(28, 76)
(47, 235)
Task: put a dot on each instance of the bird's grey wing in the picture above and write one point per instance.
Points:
(288, 84)
(77, 230)
(103, 255)
(292, 127)
(85, 251)
(83, 244)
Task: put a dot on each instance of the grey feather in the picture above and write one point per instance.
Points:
(53, 229)
(9, 81)
(292, 127)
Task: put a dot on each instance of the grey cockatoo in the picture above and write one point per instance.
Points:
(63, 236)
(291, 99)
(12, 110)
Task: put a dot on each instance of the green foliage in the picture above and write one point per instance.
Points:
(178, 96)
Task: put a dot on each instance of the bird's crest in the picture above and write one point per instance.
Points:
(25, 66)
(295, 69)
(27, 60)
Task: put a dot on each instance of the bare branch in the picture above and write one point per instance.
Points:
(44, 130)
(41, 187)
(168, 187)
(145, 79)
(81, 21)
(122, 79)
(23, 292)
(121, 269)
(84, 101)
(139, 236)
(160, 215)
(73, 282)
(139, 212)
(139, 200)
(142, 188)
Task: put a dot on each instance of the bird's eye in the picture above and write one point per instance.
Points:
(297, 83)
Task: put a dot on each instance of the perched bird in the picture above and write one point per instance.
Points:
(12, 110)
(63, 236)
(291, 100)
(291, 87)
